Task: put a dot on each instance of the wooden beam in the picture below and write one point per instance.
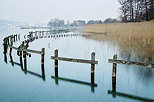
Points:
(27, 50)
(148, 65)
(33, 51)
(74, 60)
(14, 47)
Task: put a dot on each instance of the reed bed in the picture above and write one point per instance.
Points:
(130, 37)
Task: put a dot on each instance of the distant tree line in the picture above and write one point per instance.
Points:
(77, 23)
(136, 10)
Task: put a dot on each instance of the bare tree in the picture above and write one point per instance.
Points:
(136, 10)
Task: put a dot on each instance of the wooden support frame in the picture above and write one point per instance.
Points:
(92, 62)
(148, 65)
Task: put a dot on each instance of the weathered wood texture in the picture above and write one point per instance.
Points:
(92, 67)
(74, 60)
(148, 65)
(27, 50)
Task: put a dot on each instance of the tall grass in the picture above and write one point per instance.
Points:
(136, 37)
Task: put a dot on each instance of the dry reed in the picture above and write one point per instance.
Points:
(138, 37)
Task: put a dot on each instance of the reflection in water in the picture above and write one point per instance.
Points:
(130, 96)
(74, 81)
(130, 47)
(66, 45)
(115, 93)
(5, 57)
(24, 66)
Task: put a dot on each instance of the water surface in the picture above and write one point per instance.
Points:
(19, 86)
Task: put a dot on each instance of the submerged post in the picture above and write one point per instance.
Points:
(56, 63)
(92, 68)
(11, 48)
(114, 70)
(42, 62)
(21, 63)
(18, 36)
(25, 60)
(13, 36)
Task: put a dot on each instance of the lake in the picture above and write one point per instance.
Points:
(133, 83)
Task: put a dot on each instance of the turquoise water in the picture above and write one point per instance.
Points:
(19, 86)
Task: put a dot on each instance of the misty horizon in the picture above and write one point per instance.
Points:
(39, 11)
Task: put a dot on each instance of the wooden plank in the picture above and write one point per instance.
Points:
(27, 50)
(74, 81)
(74, 60)
(33, 51)
(148, 65)
(130, 96)
(14, 47)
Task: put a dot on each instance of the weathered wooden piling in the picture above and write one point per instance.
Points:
(13, 37)
(114, 70)
(21, 63)
(5, 45)
(56, 63)
(10, 47)
(18, 36)
(5, 58)
(8, 40)
(25, 60)
(92, 68)
(10, 51)
(42, 61)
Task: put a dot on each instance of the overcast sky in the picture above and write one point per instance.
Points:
(39, 11)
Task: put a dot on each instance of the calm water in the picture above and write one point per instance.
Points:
(19, 86)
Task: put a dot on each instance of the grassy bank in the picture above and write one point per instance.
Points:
(136, 37)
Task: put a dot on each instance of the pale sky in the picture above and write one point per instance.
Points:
(40, 11)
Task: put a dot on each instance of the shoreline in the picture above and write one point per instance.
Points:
(139, 28)
(130, 37)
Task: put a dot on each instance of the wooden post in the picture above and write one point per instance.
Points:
(19, 36)
(42, 62)
(10, 51)
(14, 38)
(25, 60)
(11, 45)
(114, 70)
(56, 63)
(92, 68)
(5, 45)
(11, 59)
(8, 40)
(5, 57)
(21, 63)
